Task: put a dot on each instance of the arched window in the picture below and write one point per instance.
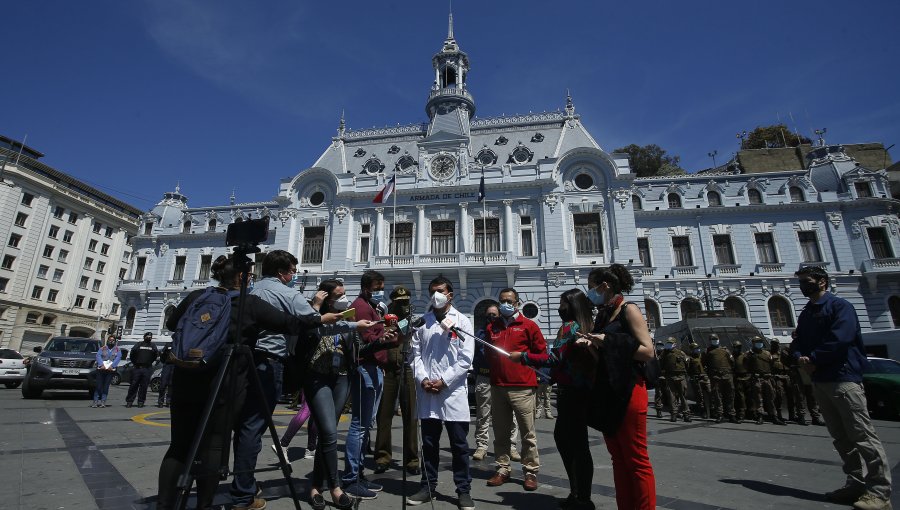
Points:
(166, 315)
(754, 196)
(653, 316)
(129, 318)
(894, 306)
(690, 307)
(714, 198)
(780, 313)
(211, 226)
(797, 194)
(186, 227)
(636, 203)
(735, 308)
(674, 201)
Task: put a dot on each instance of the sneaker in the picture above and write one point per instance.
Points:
(515, 456)
(465, 502)
(310, 454)
(128, 404)
(479, 454)
(140, 404)
(846, 495)
(870, 501)
(548, 414)
(102, 404)
(538, 414)
(372, 486)
(423, 496)
(95, 404)
(257, 504)
(359, 491)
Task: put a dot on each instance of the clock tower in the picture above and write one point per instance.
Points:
(450, 108)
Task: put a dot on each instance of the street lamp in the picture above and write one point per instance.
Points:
(742, 135)
(713, 156)
(821, 134)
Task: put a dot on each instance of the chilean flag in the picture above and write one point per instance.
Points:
(386, 191)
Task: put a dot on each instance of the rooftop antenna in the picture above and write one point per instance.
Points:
(713, 156)
(742, 135)
(450, 23)
(232, 196)
(821, 134)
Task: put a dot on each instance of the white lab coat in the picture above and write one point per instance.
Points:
(439, 354)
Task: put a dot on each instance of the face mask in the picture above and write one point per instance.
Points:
(595, 297)
(378, 295)
(340, 304)
(293, 281)
(250, 286)
(714, 343)
(111, 344)
(492, 317)
(439, 300)
(669, 347)
(507, 310)
(566, 315)
(696, 352)
(758, 346)
(809, 288)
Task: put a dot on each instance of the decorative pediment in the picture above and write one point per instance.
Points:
(622, 196)
(552, 199)
(891, 222)
(721, 229)
(806, 225)
(714, 186)
(679, 230)
(341, 212)
(835, 218)
(762, 227)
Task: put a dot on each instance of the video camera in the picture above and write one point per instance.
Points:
(247, 232)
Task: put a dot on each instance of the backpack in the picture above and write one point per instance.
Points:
(202, 330)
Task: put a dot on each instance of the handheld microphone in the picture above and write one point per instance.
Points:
(391, 320)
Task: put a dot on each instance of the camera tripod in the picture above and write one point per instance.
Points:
(232, 350)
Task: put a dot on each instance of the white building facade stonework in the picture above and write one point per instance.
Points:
(556, 205)
(65, 249)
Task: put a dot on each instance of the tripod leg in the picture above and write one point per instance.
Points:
(186, 480)
(285, 466)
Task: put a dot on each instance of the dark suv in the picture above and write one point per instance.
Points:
(65, 363)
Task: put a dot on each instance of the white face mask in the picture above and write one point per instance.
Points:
(439, 300)
(341, 304)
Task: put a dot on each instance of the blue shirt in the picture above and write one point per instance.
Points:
(292, 301)
(828, 333)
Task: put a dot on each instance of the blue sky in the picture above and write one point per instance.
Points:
(134, 96)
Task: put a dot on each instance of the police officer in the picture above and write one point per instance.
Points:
(741, 381)
(699, 380)
(802, 390)
(780, 379)
(759, 365)
(660, 394)
(674, 369)
(142, 356)
(165, 377)
(719, 366)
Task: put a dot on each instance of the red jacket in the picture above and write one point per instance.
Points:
(521, 334)
(365, 311)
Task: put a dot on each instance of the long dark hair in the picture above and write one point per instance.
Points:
(224, 272)
(328, 286)
(580, 307)
(616, 276)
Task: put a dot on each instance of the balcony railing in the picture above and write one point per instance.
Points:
(770, 267)
(456, 259)
(823, 265)
(175, 283)
(684, 270)
(647, 271)
(200, 283)
(881, 265)
(722, 269)
(133, 285)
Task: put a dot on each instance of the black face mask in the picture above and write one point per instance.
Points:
(566, 315)
(809, 288)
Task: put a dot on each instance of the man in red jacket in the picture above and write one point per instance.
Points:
(513, 388)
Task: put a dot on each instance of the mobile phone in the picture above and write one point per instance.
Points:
(379, 321)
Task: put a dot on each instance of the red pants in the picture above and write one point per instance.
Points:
(633, 474)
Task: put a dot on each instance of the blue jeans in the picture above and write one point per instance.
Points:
(104, 378)
(457, 432)
(249, 431)
(326, 395)
(366, 383)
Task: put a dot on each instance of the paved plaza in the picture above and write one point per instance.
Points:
(58, 453)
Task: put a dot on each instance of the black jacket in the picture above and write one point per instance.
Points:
(143, 354)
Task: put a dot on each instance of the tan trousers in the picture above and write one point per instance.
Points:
(506, 403)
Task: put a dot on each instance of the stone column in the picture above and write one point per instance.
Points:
(420, 231)
(379, 233)
(508, 232)
(464, 227)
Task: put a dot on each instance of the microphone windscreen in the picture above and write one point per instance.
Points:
(446, 324)
(418, 322)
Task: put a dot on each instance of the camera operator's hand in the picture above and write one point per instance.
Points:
(364, 324)
(318, 299)
(330, 318)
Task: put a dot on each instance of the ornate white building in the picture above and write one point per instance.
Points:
(65, 248)
(556, 206)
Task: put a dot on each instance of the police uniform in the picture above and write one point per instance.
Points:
(395, 366)
(759, 365)
(803, 397)
(674, 369)
(719, 366)
(741, 381)
(660, 394)
(780, 379)
(699, 380)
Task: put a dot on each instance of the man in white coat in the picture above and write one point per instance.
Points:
(441, 359)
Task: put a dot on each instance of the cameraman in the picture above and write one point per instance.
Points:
(194, 386)
(279, 271)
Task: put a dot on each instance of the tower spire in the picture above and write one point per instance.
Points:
(450, 24)
(341, 125)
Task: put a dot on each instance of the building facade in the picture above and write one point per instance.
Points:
(555, 206)
(65, 248)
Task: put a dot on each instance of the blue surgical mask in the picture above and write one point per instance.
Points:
(714, 343)
(250, 286)
(294, 280)
(595, 297)
(758, 345)
(378, 295)
(669, 347)
(507, 309)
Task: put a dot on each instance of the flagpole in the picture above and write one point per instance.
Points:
(394, 221)
(484, 232)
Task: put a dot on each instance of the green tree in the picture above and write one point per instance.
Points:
(651, 160)
(773, 136)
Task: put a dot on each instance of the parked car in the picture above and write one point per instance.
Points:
(124, 374)
(68, 363)
(881, 380)
(12, 368)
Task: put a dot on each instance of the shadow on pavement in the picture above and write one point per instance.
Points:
(777, 490)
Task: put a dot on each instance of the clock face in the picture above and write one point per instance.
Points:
(443, 167)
